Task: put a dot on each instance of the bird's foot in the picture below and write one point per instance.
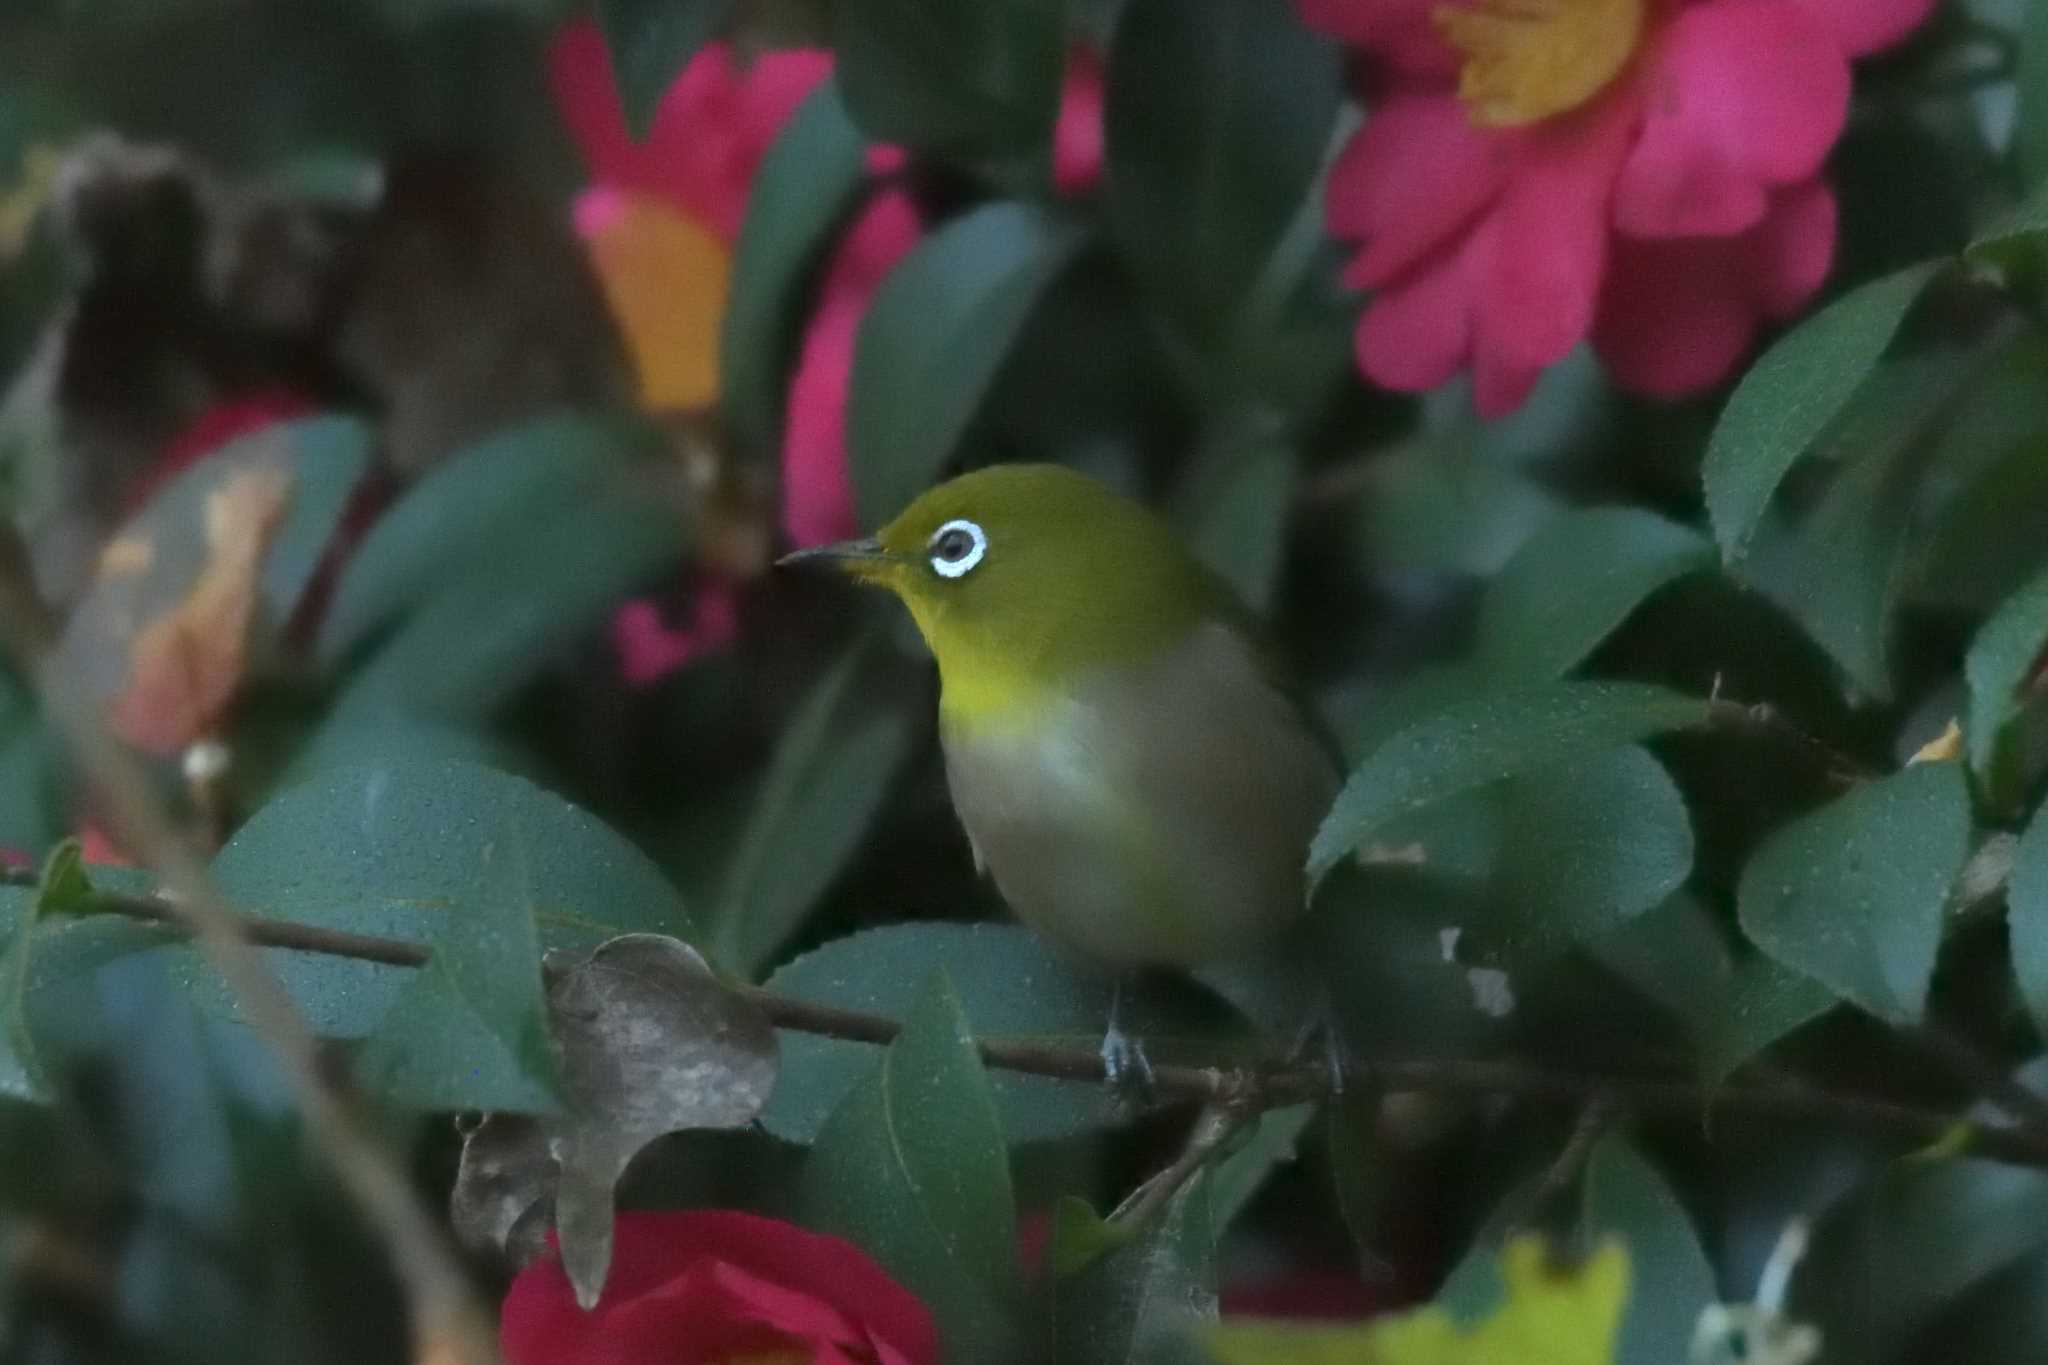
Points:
(1125, 1066)
(1320, 1034)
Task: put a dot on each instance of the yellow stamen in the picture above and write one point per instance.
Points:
(1526, 60)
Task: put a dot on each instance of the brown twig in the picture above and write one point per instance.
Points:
(1212, 1128)
(1266, 1086)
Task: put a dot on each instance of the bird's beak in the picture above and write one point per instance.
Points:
(860, 558)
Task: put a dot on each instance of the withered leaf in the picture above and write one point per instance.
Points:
(647, 1042)
(186, 663)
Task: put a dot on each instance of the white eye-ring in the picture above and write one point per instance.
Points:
(957, 547)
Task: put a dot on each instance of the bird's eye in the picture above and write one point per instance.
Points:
(957, 547)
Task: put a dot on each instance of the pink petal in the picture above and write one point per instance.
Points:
(1411, 178)
(817, 496)
(709, 132)
(1077, 135)
(585, 95)
(1863, 26)
(1400, 31)
(1542, 284)
(1679, 314)
(1418, 333)
(599, 208)
(1793, 249)
(650, 649)
(1741, 96)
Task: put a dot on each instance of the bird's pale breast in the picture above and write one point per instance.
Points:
(1155, 814)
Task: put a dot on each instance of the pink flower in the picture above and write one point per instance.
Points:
(710, 131)
(1640, 173)
(817, 495)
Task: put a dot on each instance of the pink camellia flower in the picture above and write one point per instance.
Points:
(1643, 173)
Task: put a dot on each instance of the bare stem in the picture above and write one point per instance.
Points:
(1251, 1088)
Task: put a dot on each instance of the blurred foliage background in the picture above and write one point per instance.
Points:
(404, 402)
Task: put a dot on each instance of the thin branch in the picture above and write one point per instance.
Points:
(1258, 1087)
(1212, 1128)
(448, 1323)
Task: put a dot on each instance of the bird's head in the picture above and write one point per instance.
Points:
(1029, 573)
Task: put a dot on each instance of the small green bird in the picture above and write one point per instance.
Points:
(1125, 760)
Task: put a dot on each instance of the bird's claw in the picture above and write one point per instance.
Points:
(1125, 1065)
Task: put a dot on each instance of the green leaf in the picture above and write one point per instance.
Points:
(1791, 394)
(1852, 894)
(964, 78)
(1233, 511)
(1473, 743)
(485, 632)
(651, 41)
(1217, 116)
(416, 851)
(1013, 986)
(1586, 848)
(806, 185)
(1997, 668)
(1628, 1199)
(468, 509)
(1840, 572)
(2031, 134)
(1574, 581)
(1237, 1179)
(469, 1030)
(832, 769)
(1761, 1003)
(934, 338)
(1885, 1262)
(2026, 917)
(1139, 1302)
(1426, 508)
(64, 888)
(912, 1168)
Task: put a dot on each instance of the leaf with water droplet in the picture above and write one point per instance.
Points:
(1852, 894)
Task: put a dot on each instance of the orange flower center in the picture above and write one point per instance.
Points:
(1526, 60)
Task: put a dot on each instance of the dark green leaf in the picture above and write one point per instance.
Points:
(935, 336)
(1426, 508)
(802, 192)
(1998, 668)
(1218, 113)
(414, 851)
(1574, 581)
(912, 1167)
(1012, 985)
(1471, 744)
(469, 1030)
(651, 41)
(64, 888)
(964, 78)
(1886, 1262)
(486, 632)
(1793, 392)
(1762, 1003)
(1670, 1279)
(2026, 902)
(2031, 135)
(1135, 1304)
(1586, 847)
(1840, 572)
(1234, 511)
(473, 506)
(1237, 1179)
(1852, 894)
(831, 770)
